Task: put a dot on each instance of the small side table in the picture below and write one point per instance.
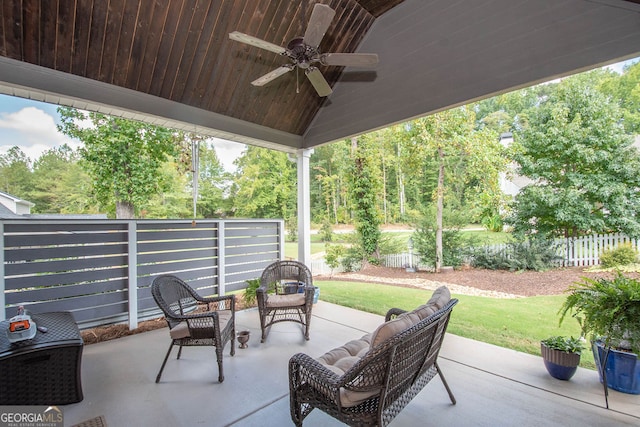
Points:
(44, 370)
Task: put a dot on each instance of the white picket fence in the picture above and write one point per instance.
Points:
(575, 252)
(581, 251)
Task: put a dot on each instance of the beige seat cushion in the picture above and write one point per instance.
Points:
(181, 330)
(341, 359)
(290, 300)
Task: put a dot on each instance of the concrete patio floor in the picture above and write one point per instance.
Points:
(493, 386)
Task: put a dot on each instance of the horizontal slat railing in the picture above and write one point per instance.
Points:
(86, 266)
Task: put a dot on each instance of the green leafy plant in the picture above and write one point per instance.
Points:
(621, 255)
(249, 294)
(567, 344)
(333, 255)
(326, 231)
(454, 243)
(608, 309)
(530, 254)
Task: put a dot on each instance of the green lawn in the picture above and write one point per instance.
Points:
(518, 324)
(483, 237)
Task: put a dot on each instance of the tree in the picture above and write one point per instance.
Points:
(266, 181)
(329, 165)
(626, 90)
(15, 173)
(123, 157)
(59, 183)
(583, 167)
(364, 186)
(450, 137)
(212, 183)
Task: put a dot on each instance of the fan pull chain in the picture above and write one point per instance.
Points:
(297, 81)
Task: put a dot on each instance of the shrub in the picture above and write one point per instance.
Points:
(333, 255)
(454, 244)
(622, 255)
(326, 231)
(491, 260)
(530, 254)
(291, 224)
(493, 223)
(352, 259)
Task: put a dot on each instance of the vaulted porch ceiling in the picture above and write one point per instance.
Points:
(171, 62)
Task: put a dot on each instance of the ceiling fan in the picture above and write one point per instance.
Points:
(304, 54)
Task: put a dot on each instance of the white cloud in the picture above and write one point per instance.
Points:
(228, 152)
(33, 130)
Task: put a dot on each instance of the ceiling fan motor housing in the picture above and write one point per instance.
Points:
(301, 54)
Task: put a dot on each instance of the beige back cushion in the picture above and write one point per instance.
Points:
(439, 299)
(393, 327)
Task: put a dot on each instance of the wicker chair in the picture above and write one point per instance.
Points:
(194, 320)
(285, 295)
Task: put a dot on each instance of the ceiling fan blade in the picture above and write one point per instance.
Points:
(321, 18)
(261, 81)
(318, 81)
(254, 41)
(350, 59)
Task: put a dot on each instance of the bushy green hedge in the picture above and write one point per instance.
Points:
(622, 255)
(530, 254)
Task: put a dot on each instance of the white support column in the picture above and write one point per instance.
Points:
(304, 207)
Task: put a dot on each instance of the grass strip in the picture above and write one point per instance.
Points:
(518, 324)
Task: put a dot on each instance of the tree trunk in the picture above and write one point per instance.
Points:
(384, 191)
(124, 210)
(440, 208)
(401, 196)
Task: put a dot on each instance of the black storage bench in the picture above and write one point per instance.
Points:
(44, 370)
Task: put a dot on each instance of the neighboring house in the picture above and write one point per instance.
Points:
(14, 207)
(510, 182)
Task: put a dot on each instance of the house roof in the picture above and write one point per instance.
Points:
(171, 62)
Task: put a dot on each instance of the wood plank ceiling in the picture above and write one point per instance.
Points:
(171, 62)
(180, 50)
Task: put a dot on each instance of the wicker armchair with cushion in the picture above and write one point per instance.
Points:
(194, 320)
(285, 295)
(370, 380)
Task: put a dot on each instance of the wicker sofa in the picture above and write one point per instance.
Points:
(370, 380)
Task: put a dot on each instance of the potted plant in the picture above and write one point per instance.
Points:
(249, 294)
(561, 356)
(608, 311)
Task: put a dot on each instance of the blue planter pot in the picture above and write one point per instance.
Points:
(560, 364)
(623, 369)
(560, 372)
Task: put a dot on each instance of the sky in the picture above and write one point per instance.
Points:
(31, 125)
